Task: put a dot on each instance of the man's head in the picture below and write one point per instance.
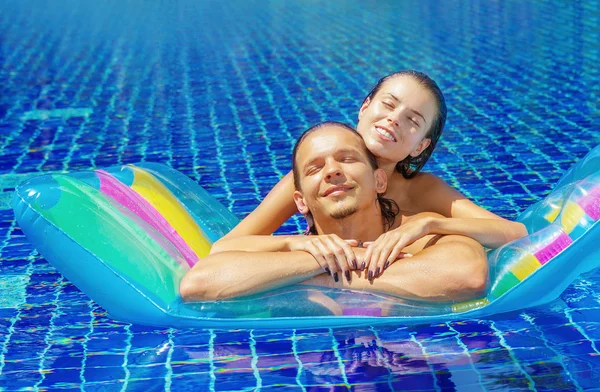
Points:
(334, 174)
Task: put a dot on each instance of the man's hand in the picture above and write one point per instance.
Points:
(333, 254)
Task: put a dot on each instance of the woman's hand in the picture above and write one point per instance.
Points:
(388, 247)
(333, 254)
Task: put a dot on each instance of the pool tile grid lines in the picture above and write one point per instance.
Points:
(50, 147)
(240, 128)
(548, 345)
(304, 91)
(237, 128)
(262, 135)
(40, 99)
(525, 188)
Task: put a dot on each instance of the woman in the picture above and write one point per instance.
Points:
(401, 121)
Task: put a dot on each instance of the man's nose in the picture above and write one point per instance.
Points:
(334, 171)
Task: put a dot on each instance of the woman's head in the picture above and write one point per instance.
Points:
(401, 120)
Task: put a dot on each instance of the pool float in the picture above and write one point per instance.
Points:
(126, 235)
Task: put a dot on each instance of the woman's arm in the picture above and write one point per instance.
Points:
(274, 210)
(491, 233)
(430, 193)
(444, 211)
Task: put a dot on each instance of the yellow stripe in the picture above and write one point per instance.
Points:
(155, 193)
(525, 266)
(551, 216)
(571, 216)
(469, 305)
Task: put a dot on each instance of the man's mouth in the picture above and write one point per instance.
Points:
(337, 190)
(385, 133)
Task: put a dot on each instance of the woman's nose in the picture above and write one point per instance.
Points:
(392, 121)
(392, 118)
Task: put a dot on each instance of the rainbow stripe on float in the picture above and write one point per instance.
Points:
(576, 217)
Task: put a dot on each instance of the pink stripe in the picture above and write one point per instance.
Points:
(590, 203)
(555, 247)
(127, 197)
(372, 312)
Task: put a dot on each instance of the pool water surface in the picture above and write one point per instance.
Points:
(220, 91)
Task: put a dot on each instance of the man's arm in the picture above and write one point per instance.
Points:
(233, 274)
(454, 269)
(331, 252)
(254, 243)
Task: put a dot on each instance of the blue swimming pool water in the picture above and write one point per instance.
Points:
(220, 91)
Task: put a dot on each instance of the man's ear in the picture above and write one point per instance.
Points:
(300, 204)
(381, 181)
(364, 107)
(420, 147)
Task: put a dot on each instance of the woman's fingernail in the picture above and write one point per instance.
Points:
(362, 267)
(377, 272)
(370, 275)
(327, 271)
(348, 276)
(408, 255)
(335, 277)
(355, 263)
(387, 264)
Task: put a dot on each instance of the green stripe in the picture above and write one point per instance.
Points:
(89, 218)
(505, 283)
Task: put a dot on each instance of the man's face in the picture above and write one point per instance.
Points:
(336, 178)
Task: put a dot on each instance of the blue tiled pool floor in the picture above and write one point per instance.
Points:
(220, 91)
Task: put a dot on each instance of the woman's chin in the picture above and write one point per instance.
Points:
(382, 151)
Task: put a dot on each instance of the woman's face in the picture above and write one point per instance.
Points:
(395, 121)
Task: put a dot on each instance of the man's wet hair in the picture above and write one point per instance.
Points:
(389, 208)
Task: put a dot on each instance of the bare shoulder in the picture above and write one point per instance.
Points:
(425, 192)
(429, 193)
(428, 181)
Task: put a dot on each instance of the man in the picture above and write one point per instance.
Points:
(338, 187)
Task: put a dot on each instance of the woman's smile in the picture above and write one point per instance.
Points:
(385, 134)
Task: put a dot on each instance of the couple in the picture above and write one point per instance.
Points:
(431, 250)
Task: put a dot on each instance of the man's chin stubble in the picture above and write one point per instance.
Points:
(343, 212)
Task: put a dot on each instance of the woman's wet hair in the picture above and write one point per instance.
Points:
(411, 166)
(389, 208)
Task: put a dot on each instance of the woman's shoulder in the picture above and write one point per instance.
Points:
(416, 186)
(425, 192)
(427, 179)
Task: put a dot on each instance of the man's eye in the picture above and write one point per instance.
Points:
(349, 159)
